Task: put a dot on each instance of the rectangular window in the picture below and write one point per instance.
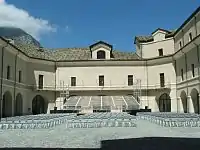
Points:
(41, 81)
(180, 44)
(192, 66)
(73, 81)
(20, 76)
(101, 80)
(8, 72)
(160, 51)
(162, 80)
(130, 80)
(190, 36)
(182, 77)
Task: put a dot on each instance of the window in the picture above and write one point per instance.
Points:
(192, 66)
(182, 77)
(180, 44)
(130, 80)
(160, 51)
(101, 55)
(73, 81)
(162, 80)
(101, 80)
(41, 80)
(20, 76)
(8, 72)
(190, 36)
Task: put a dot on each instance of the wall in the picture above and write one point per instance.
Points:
(107, 53)
(190, 27)
(155, 70)
(40, 67)
(89, 76)
(150, 49)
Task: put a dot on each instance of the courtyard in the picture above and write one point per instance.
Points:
(61, 136)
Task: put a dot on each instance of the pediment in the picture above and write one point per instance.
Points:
(101, 45)
(159, 34)
(159, 31)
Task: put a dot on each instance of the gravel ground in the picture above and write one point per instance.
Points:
(60, 136)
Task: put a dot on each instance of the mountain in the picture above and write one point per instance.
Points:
(18, 35)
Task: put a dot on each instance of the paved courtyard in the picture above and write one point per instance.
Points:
(60, 136)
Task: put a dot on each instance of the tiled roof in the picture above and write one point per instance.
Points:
(69, 54)
(149, 38)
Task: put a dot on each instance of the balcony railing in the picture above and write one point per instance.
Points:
(100, 88)
(163, 86)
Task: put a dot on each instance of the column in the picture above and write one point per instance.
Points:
(179, 110)
(198, 103)
(190, 107)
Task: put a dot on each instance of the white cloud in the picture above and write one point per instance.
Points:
(66, 28)
(12, 16)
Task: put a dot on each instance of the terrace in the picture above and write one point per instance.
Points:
(62, 136)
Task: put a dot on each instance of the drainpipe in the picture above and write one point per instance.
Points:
(15, 80)
(55, 83)
(1, 92)
(147, 84)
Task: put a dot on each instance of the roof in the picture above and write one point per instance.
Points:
(100, 42)
(149, 38)
(68, 54)
(144, 39)
(187, 20)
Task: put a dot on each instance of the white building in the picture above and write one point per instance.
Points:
(163, 74)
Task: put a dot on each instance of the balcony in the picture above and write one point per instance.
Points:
(164, 86)
(44, 88)
(100, 88)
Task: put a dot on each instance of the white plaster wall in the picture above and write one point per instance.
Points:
(150, 50)
(89, 76)
(159, 36)
(107, 52)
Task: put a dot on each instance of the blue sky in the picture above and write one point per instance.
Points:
(80, 23)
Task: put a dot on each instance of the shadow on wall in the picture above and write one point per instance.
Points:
(146, 143)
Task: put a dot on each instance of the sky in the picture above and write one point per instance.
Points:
(80, 23)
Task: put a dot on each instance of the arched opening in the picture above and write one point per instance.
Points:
(38, 105)
(164, 103)
(101, 55)
(7, 105)
(19, 105)
(195, 100)
(184, 101)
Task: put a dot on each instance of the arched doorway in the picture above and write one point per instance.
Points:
(184, 101)
(38, 105)
(7, 105)
(19, 105)
(164, 103)
(195, 100)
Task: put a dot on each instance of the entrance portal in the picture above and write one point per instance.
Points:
(38, 105)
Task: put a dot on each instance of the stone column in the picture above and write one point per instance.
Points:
(179, 109)
(190, 107)
(199, 103)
